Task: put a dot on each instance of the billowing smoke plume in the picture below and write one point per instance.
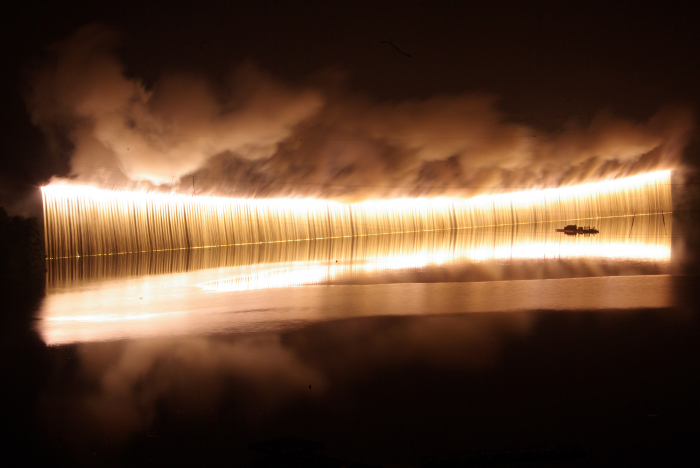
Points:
(251, 135)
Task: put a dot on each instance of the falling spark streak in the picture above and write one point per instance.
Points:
(85, 221)
(356, 256)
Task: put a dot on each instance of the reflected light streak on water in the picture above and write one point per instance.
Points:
(248, 295)
(276, 309)
(292, 276)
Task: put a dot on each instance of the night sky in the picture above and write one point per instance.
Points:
(546, 66)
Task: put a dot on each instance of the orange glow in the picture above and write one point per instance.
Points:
(262, 286)
(197, 313)
(84, 220)
(491, 245)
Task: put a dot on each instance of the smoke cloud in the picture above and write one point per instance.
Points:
(252, 135)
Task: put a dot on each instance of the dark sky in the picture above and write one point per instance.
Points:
(549, 62)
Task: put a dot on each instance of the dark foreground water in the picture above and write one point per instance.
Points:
(411, 350)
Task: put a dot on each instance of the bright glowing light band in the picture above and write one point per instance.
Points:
(649, 244)
(646, 238)
(255, 287)
(83, 220)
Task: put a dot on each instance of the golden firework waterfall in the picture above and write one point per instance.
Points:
(646, 238)
(83, 220)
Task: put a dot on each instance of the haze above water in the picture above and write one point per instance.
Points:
(386, 348)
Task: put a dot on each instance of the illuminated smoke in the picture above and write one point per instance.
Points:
(251, 135)
(169, 130)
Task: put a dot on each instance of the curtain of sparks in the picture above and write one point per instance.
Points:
(83, 220)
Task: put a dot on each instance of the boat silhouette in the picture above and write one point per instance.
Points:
(572, 230)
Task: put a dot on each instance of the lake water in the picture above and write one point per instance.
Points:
(388, 349)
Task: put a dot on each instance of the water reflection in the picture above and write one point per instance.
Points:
(408, 383)
(255, 288)
(123, 385)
